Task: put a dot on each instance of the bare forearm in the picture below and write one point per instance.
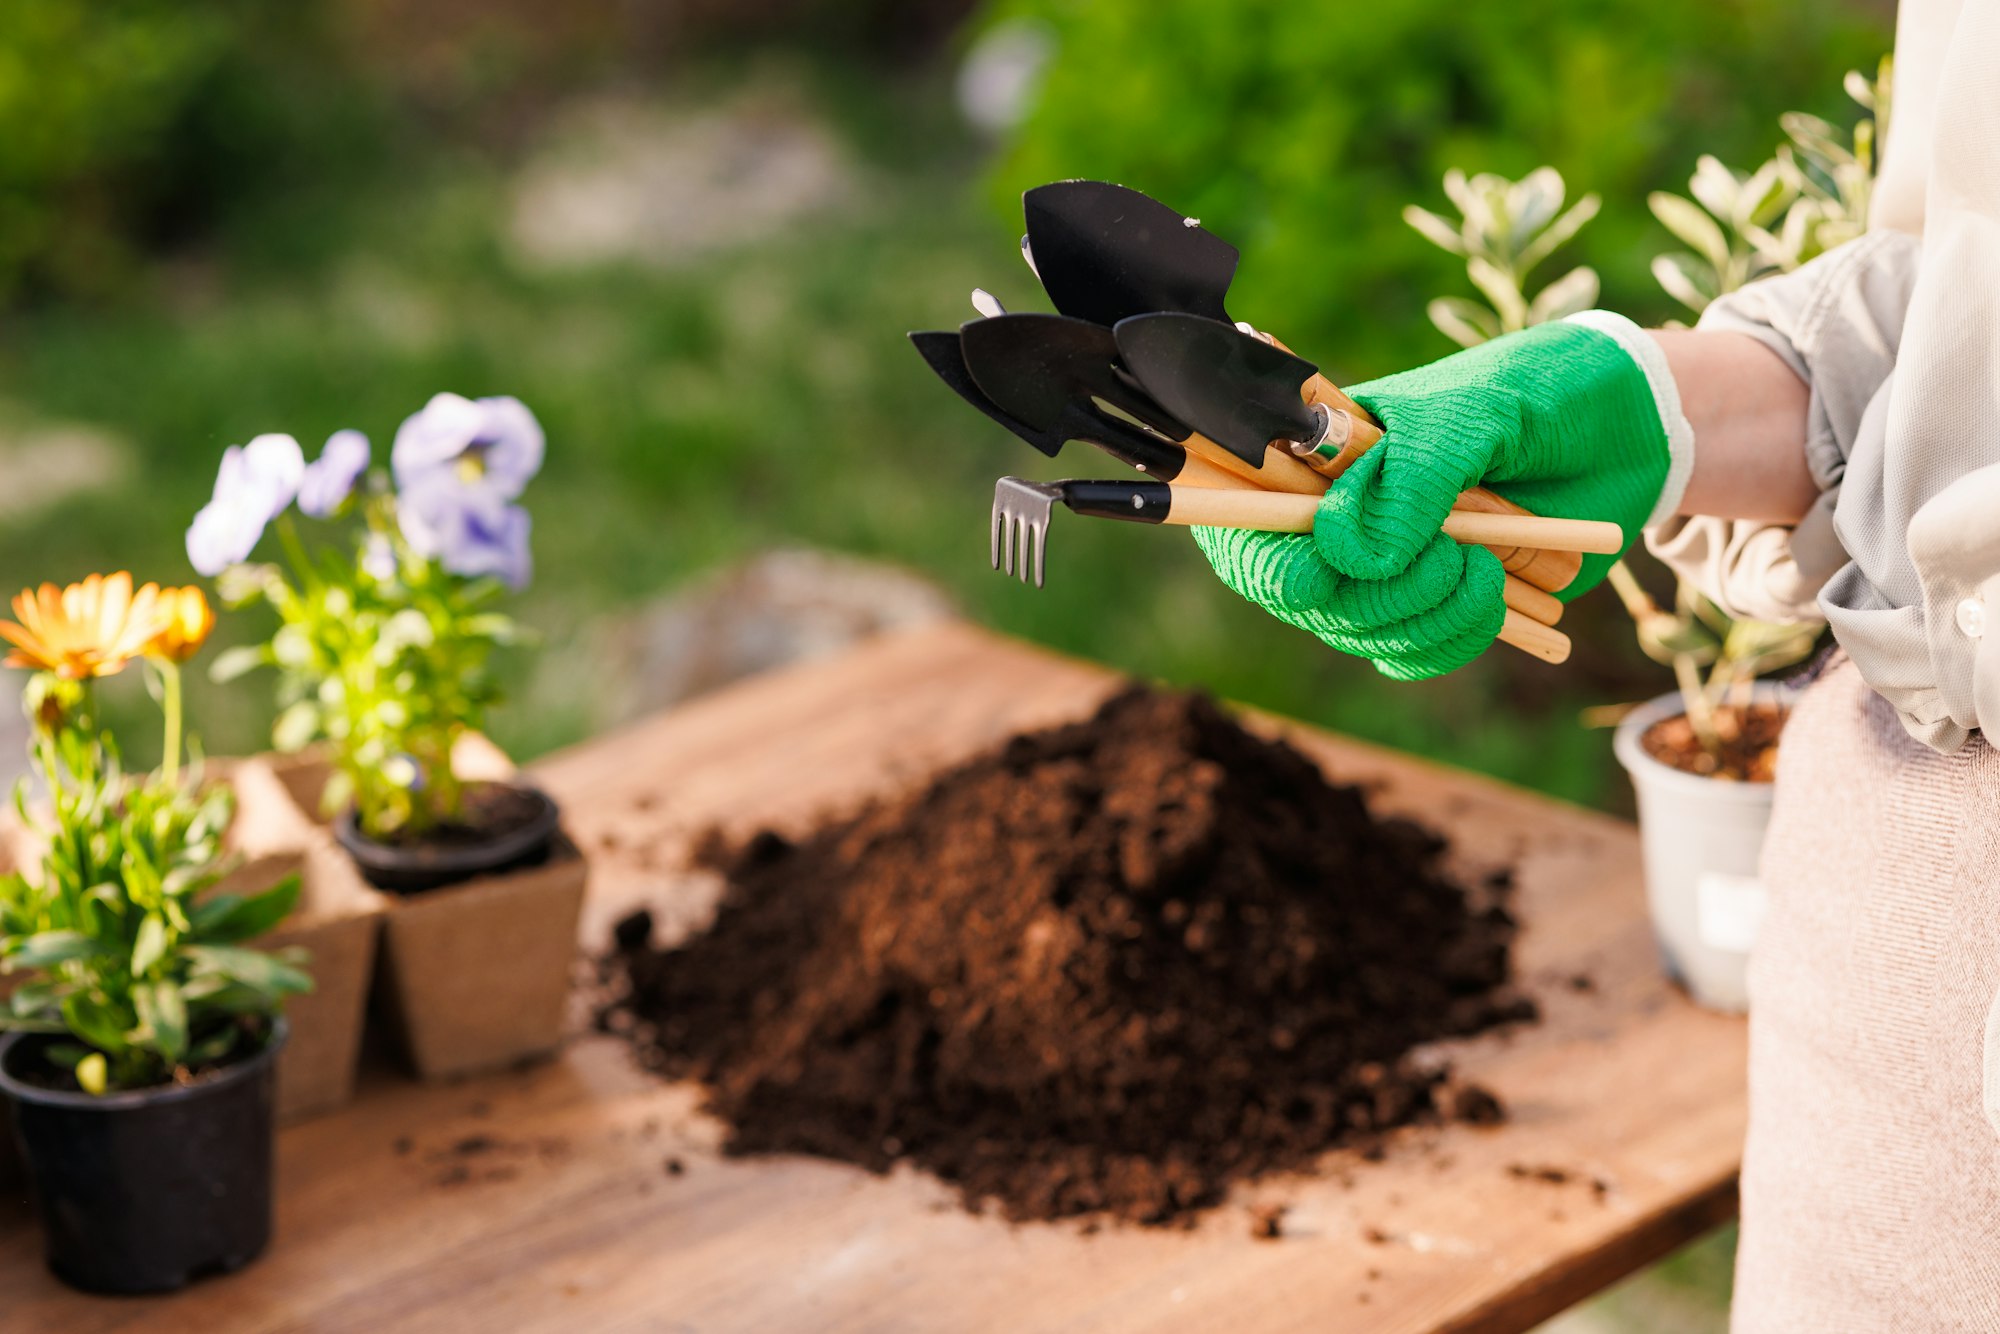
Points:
(1748, 411)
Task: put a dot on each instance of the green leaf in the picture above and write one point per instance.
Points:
(296, 727)
(229, 918)
(93, 1074)
(95, 1023)
(1694, 227)
(1466, 323)
(253, 968)
(232, 663)
(1559, 232)
(1434, 229)
(44, 949)
(1687, 280)
(1574, 291)
(150, 946)
(161, 1009)
(1500, 288)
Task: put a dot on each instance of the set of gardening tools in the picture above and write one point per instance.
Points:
(1230, 428)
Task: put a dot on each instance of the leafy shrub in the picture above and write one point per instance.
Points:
(122, 121)
(1299, 128)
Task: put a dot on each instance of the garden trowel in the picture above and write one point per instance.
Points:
(1048, 425)
(1036, 367)
(1104, 252)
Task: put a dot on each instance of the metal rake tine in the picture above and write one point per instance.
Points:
(1040, 532)
(999, 526)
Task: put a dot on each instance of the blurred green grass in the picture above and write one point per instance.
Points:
(695, 415)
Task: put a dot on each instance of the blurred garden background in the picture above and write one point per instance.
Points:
(691, 236)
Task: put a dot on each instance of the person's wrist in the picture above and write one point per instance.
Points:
(1651, 360)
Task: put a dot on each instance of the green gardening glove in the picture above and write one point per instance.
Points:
(1576, 420)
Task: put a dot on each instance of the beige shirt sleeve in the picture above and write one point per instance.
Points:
(1838, 323)
(1898, 338)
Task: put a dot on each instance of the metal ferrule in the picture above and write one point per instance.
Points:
(1334, 430)
(1134, 502)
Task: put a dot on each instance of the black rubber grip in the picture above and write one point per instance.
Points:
(1134, 502)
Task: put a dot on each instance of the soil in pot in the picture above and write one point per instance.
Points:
(502, 827)
(1109, 968)
(147, 1190)
(1749, 749)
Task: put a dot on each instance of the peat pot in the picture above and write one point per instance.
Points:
(150, 1189)
(1701, 839)
(477, 939)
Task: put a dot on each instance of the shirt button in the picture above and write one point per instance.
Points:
(1972, 617)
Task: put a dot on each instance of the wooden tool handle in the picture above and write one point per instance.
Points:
(1281, 471)
(1532, 602)
(1198, 471)
(1550, 570)
(1531, 636)
(1535, 530)
(1284, 512)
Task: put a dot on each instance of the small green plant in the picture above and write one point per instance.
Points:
(130, 955)
(386, 634)
(1505, 229)
(1811, 196)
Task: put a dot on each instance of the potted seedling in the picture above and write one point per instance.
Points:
(387, 624)
(142, 1034)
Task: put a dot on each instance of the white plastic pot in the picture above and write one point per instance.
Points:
(1701, 839)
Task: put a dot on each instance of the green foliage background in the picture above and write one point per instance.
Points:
(1298, 129)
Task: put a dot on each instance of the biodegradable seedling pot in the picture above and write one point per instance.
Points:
(474, 975)
(1701, 838)
(338, 924)
(150, 1189)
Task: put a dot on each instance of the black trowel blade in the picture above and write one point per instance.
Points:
(1105, 252)
(1034, 366)
(1236, 389)
(941, 350)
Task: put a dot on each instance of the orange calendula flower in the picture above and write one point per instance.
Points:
(187, 620)
(89, 629)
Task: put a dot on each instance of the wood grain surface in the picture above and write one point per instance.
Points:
(546, 1201)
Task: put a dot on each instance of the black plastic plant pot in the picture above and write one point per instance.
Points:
(150, 1189)
(413, 868)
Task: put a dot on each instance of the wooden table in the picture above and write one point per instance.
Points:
(547, 1200)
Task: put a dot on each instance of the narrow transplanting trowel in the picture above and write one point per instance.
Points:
(1128, 443)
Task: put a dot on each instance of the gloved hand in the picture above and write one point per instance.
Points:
(1575, 420)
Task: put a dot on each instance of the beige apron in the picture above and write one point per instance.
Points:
(1871, 1179)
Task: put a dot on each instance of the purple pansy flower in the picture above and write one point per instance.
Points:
(329, 479)
(254, 485)
(469, 531)
(492, 444)
(459, 463)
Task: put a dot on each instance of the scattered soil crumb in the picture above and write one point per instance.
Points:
(1554, 1176)
(403, 1145)
(675, 1167)
(1114, 967)
(1375, 1236)
(1267, 1222)
(1582, 982)
(1476, 1105)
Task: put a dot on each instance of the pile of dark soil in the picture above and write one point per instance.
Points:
(1112, 967)
(1747, 744)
